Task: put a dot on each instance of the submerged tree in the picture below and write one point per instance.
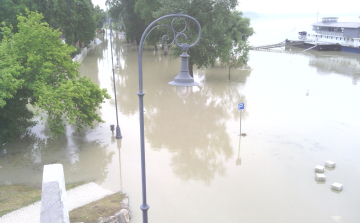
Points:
(99, 16)
(85, 22)
(145, 9)
(36, 68)
(238, 57)
(134, 24)
(222, 28)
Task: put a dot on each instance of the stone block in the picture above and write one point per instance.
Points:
(54, 207)
(125, 202)
(330, 163)
(319, 169)
(123, 216)
(337, 186)
(320, 177)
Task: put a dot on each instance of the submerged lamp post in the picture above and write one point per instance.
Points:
(183, 79)
(118, 132)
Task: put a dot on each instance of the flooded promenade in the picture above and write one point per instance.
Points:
(300, 111)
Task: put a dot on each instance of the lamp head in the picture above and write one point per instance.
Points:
(183, 78)
(183, 91)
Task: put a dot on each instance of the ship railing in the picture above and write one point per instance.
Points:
(340, 34)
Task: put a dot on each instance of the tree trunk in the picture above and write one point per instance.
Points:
(156, 49)
(229, 73)
(191, 68)
(127, 39)
(137, 41)
(166, 49)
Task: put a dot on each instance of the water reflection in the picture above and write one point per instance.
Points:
(190, 123)
(84, 160)
(238, 160)
(327, 62)
(346, 65)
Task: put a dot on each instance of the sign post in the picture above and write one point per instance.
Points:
(240, 107)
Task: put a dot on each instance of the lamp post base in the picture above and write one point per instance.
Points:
(118, 133)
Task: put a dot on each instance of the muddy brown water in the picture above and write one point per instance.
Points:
(300, 111)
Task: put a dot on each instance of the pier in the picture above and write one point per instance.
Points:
(277, 45)
(307, 45)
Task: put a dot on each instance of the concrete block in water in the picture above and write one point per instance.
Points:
(337, 186)
(123, 216)
(320, 177)
(319, 169)
(330, 163)
(54, 207)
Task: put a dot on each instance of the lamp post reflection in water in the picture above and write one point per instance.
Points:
(118, 145)
(118, 132)
(183, 79)
(238, 160)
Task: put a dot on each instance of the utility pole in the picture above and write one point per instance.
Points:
(317, 16)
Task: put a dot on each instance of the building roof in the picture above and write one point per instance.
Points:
(338, 24)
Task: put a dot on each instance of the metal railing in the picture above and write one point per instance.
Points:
(326, 33)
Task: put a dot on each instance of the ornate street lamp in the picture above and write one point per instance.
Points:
(118, 132)
(183, 79)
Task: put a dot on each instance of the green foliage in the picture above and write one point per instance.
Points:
(76, 52)
(85, 22)
(99, 16)
(46, 7)
(66, 17)
(222, 29)
(238, 57)
(145, 9)
(125, 9)
(8, 11)
(36, 68)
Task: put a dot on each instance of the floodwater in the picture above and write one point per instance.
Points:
(300, 111)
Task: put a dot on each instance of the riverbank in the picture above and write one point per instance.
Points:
(79, 57)
(13, 197)
(20, 202)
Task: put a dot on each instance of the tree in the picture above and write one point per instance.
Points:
(145, 9)
(238, 57)
(66, 17)
(99, 16)
(46, 7)
(85, 22)
(36, 69)
(8, 11)
(134, 24)
(222, 29)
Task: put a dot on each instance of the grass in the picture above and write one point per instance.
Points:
(13, 197)
(90, 213)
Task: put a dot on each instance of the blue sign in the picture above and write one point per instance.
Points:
(241, 106)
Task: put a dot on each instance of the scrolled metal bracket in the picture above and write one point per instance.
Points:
(177, 34)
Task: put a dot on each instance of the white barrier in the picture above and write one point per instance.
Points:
(54, 207)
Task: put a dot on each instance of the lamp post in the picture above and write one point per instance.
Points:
(183, 79)
(118, 132)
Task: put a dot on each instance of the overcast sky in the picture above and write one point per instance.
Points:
(304, 6)
(281, 6)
